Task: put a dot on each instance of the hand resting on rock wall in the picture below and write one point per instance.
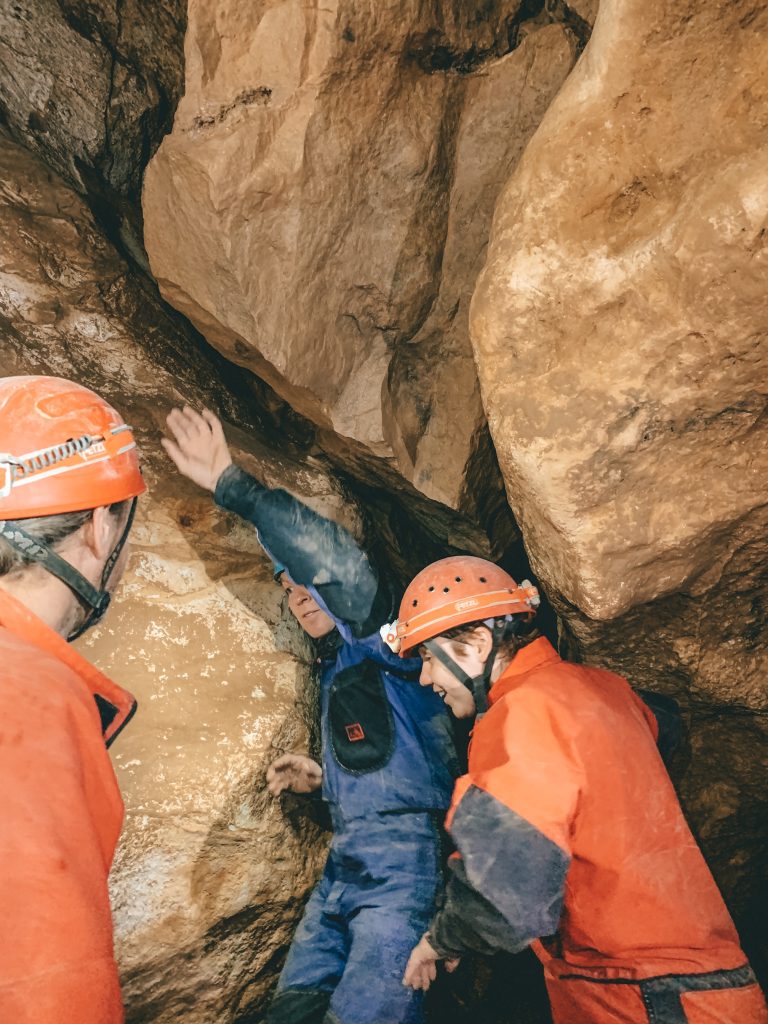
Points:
(294, 772)
(199, 448)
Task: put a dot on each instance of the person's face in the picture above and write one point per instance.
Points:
(87, 550)
(311, 617)
(433, 673)
(118, 525)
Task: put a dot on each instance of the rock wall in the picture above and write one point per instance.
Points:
(91, 86)
(210, 874)
(321, 209)
(620, 331)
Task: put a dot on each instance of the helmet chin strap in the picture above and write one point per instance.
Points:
(478, 685)
(97, 599)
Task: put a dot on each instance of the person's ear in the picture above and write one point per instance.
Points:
(482, 641)
(100, 533)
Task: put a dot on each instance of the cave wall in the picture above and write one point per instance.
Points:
(321, 214)
(321, 209)
(91, 86)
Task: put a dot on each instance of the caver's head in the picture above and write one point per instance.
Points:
(313, 619)
(465, 617)
(69, 481)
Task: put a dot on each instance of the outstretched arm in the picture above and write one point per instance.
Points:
(315, 551)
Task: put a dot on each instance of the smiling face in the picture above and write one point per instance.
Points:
(311, 617)
(470, 656)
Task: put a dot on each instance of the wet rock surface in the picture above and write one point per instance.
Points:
(321, 209)
(210, 874)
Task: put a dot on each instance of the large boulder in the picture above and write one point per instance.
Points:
(321, 209)
(619, 321)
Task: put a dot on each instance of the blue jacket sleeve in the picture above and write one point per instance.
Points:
(315, 551)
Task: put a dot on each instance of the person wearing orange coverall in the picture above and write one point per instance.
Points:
(69, 482)
(568, 832)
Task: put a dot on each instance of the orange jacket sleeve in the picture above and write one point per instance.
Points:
(56, 958)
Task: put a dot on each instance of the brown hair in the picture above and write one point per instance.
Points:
(49, 530)
(517, 635)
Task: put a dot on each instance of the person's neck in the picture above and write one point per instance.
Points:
(46, 597)
(327, 645)
(499, 666)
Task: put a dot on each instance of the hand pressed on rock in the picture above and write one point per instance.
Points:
(199, 447)
(294, 772)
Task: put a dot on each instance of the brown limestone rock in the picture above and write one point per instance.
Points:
(210, 875)
(91, 85)
(619, 323)
(434, 398)
(321, 209)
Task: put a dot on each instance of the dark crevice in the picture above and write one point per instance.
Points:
(560, 13)
(433, 53)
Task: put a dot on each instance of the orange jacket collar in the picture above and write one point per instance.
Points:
(540, 652)
(116, 706)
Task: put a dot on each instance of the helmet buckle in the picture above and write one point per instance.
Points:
(7, 466)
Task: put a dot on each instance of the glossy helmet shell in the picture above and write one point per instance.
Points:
(62, 449)
(455, 591)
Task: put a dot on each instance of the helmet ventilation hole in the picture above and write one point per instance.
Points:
(483, 579)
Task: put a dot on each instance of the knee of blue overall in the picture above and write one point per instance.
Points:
(368, 911)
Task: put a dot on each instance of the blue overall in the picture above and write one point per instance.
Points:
(389, 764)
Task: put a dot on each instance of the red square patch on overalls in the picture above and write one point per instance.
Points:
(355, 732)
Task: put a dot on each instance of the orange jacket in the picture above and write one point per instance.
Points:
(60, 818)
(567, 826)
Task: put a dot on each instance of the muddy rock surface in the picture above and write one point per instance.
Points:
(211, 873)
(321, 209)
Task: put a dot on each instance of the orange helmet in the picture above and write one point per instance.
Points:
(455, 591)
(62, 449)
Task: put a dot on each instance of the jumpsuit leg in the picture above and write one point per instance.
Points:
(387, 914)
(316, 961)
(371, 990)
(373, 904)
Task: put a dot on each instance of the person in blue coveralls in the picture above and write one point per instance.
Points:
(388, 756)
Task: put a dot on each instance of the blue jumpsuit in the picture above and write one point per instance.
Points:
(389, 764)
